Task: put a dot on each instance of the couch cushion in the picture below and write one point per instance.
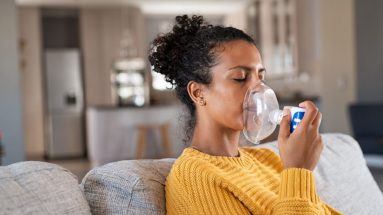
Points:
(137, 187)
(342, 177)
(33, 187)
(127, 187)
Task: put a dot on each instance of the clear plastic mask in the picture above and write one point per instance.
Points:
(261, 113)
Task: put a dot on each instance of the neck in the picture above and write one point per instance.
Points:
(214, 140)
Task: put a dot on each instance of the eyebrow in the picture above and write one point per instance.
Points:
(246, 68)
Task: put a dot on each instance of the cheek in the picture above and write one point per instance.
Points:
(237, 100)
(230, 108)
(229, 100)
(239, 109)
(226, 105)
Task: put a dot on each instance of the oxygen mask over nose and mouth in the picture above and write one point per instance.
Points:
(261, 113)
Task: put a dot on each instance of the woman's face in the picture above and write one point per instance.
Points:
(239, 67)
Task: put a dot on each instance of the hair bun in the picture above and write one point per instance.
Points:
(186, 25)
(167, 51)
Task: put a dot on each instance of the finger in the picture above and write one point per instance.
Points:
(317, 121)
(319, 143)
(310, 113)
(284, 128)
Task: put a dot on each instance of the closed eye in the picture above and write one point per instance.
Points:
(240, 79)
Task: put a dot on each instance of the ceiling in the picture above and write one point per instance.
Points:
(150, 6)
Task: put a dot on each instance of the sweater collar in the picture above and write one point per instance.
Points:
(242, 159)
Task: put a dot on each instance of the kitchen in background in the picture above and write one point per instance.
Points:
(63, 85)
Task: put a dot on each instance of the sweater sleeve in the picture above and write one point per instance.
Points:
(297, 194)
(199, 195)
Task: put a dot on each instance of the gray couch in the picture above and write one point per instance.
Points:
(137, 186)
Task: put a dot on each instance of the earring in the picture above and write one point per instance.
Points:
(202, 102)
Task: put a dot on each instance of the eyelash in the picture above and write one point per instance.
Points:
(240, 79)
(261, 76)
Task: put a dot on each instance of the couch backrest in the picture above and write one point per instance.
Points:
(137, 187)
(127, 187)
(34, 187)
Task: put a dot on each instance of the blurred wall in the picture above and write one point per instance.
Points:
(10, 86)
(32, 86)
(337, 63)
(237, 18)
(369, 41)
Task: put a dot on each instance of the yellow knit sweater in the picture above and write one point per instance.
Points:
(253, 183)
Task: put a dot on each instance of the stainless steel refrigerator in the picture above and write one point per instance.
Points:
(64, 125)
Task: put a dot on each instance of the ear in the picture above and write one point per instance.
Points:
(196, 91)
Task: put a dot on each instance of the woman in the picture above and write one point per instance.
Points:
(211, 68)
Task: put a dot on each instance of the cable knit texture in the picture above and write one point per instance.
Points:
(253, 183)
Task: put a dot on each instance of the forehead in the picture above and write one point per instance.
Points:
(237, 52)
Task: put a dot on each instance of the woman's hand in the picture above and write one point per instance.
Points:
(302, 148)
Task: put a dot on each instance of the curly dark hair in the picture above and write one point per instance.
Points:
(187, 53)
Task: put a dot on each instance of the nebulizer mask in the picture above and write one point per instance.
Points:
(261, 113)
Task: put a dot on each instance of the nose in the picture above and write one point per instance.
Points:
(255, 82)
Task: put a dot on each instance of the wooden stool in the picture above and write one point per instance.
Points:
(142, 133)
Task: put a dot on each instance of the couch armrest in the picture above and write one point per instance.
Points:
(33, 187)
(127, 187)
(342, 177)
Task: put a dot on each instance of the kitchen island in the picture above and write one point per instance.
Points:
(113, 133)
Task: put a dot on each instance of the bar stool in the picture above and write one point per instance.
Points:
(141, 141)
